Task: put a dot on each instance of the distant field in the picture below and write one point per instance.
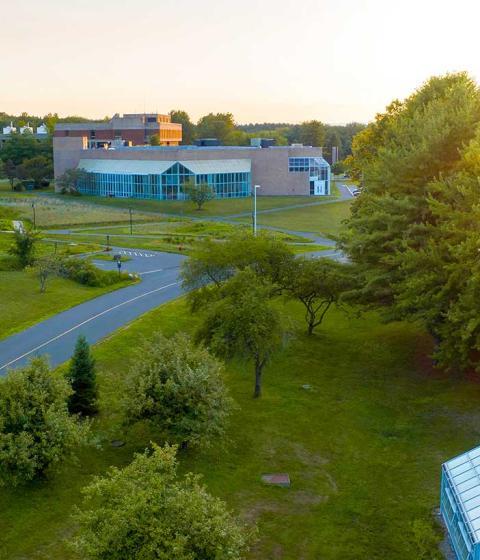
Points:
(224, 207)
(57, 211)
(323, 220)
(184, 228)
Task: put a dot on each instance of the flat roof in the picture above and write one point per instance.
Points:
(157, 167)
(464, 474)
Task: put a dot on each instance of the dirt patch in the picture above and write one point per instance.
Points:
(303, 498)
(255, 510)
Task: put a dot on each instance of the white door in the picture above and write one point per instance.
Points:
(319, 188)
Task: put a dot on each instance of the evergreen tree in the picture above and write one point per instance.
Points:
(82, 378)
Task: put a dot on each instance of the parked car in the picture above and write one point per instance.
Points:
(356, 192)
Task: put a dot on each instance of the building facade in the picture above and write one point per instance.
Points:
(131, 129)
(460, 503)
(41, 133)
(160, 172)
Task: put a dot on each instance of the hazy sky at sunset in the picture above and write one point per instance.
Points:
(263, 60)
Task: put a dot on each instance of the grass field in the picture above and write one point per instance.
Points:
(323, 220)
(308, 248)
(53, 211)
(363, 447)
(168, 236)
(222, 207)
(21, 303)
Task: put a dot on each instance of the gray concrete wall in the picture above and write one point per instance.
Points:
(67, 152)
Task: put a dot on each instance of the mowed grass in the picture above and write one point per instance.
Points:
(22, 305)
(363, 446)
(220, 207)
(322, 219)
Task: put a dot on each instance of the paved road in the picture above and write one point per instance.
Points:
(101, 316)
(98, 317)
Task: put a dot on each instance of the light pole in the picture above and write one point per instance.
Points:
(34, 220)
(255, 209)
(131, 225)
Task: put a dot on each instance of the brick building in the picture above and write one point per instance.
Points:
(134, 129)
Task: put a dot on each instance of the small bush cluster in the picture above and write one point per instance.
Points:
(84, 272)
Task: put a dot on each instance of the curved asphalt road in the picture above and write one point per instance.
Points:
(99, 317)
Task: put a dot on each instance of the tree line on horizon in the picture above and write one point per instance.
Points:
(224, 127)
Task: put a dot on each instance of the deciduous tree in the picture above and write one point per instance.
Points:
(45, 267)
(24, 246)
(198, 194)
(188, 128)
(413, 143)
(69, 181)
(244, 323)
(318, 284)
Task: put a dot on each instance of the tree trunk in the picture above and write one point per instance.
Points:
(258, 378)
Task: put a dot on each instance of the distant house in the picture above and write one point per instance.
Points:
(460, 503)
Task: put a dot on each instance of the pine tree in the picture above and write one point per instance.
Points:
(82, 378)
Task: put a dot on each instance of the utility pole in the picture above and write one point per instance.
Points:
(131, 224)
(34, 218)
(255, 209)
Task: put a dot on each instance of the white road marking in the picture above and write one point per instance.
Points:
(150, 271)
(88, 321)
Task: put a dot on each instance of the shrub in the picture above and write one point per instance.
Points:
(146, 512)
(24, 247)
(178, 387)
(84, 272)
(36, 430)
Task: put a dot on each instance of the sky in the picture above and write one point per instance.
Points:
(262, 60)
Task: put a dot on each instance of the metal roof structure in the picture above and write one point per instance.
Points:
(157, 167)
(463, 473)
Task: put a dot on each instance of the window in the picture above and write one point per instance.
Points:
(316, 167)
(166, 186)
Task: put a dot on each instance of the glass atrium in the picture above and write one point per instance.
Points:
(163, 180)
(318, 171)
(460, 503)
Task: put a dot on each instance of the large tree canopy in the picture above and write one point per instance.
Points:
(414, 229)
(413, 143)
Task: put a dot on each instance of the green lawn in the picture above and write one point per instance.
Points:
(321, 219)
(363, 447)
(170, 244)
(162, 237)
(22, 305)
(308, 248)
(222, 207)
